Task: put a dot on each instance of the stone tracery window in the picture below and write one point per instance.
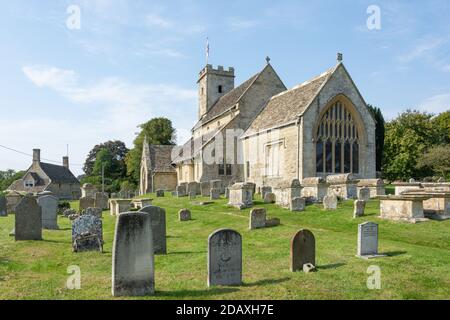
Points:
(337, 143)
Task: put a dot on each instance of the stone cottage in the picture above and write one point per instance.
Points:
(156, 169)
(43, 176)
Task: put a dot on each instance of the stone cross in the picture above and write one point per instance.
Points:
(224, 258)
(368, 241)
(133, 272)
(303, 250)
(28, 224)
(158, 219)
(49, 206)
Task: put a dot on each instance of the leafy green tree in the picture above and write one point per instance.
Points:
(9, 176)
(437, 159)
(442, 124)
(407, 138)
(106, 160)
(379, 135)
(118, 151)
(159, 131)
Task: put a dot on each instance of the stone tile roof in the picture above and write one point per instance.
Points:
(193, 146)
(58, 174)
(288, 105)
(160, 158)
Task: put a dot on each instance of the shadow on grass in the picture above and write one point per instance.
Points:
(187, 252)
(331, 266)
(394, 253)
(265, 282)
(196, 293)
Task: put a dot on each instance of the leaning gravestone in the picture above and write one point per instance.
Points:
(28, 224)
(358, 208)
(224, 258)
(364, 194)
(158, 218)
(49, 206)
(133, 272)
(86, 202)
(3, 211)
(257, 218)
(87, 233)
(303, 250)
(298, 204)
(184, 215)
(368, 241)
(330, 202)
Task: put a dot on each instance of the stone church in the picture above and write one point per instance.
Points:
(43, 176)
(264, 133)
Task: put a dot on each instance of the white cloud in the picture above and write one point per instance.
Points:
(436, 104)
(45, 76)
(155, 20)
(423, 49)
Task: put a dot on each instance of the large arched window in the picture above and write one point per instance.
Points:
(337, 142)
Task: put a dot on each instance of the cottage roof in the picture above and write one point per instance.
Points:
(58, 174)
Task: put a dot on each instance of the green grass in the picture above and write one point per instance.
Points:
(418, 265)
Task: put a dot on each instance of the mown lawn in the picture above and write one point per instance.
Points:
(418, 265)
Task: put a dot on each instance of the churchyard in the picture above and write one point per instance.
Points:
(416, 264)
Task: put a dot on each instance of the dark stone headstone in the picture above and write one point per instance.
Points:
(158, 218)
(3, 211)
(303, 250)
(28, 224)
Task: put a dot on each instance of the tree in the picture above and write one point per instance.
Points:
(407, 138)
(437, 158)
(106, 160)
(379, 135)
(9, 176)
(442, 124)
(118, 151)
(159, 131)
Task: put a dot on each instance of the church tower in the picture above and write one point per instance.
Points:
(212, 84)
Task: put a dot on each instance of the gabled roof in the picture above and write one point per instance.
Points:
(58, 174)
(287, 106)
(160, 158)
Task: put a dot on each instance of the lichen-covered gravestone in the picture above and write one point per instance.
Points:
(205, 188)
(93, 211)
(269, 197)
(87, 233)
(158, 218)
(330, 202)
(298, 204)
(358, 208)
(28, 224)
(184, 215)
(368, 241)
(303, 250)
(215, 194)
(133, 272)
(86, 202)
(257, 218)
(224, 258)
(49, 207)
(265, 190)
(3, 211)
(364, 194)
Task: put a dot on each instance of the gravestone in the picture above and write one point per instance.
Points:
(101, 200)
(412, 180)
(28, 224)
(216, 184)
(87, 233)
(224, 258)
(86, 202)
(49, 207)
(265, 190)
(93, 211)
(330, 202)
(181, 190)
(193, 188)
(159, 193)
(303, 250)
(69, 212)
(241, 195)
(215, 194)
(269, 197)
(205, 188)
(184, 215)
(192, 195)
(257, 218)
(364, 194)
(272, 222)
(133, 259)
(3, 211)
(158, 219)
(298, 204)
(368, 241)
(73, 216)
(358, 208)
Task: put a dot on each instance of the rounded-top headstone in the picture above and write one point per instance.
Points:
(28, 223)
(303, 250)
(184, 215)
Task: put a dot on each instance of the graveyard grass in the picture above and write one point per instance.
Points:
(417, 266)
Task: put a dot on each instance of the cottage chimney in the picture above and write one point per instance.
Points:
(66, 162)
(36, 157)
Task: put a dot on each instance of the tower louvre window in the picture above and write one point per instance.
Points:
(219, 89)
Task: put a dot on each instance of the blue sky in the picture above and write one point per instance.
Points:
(137, 59)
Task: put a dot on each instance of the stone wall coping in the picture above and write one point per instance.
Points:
(404, 197)
(431, 194)
(371, 183)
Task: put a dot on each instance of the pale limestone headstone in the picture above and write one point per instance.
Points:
(86, 202)
(3, 211)
(159, 193)
(215, 194)
(87, 233)
(205, 188)
(298, 204)
(224, 258)
(28, 224)
(257, 218)
(184, 215)
(158, 219)
(303, 250)
(49, 207)
(330, 202)
(269, 197)
(358, 208)
(133, 272)
(364, 194)
(101, 200)
(368, 240)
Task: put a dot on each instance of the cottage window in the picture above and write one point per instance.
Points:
(29, 183)
(337, 143)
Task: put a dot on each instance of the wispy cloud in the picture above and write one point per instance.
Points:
(425, 48)
(436, 104)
